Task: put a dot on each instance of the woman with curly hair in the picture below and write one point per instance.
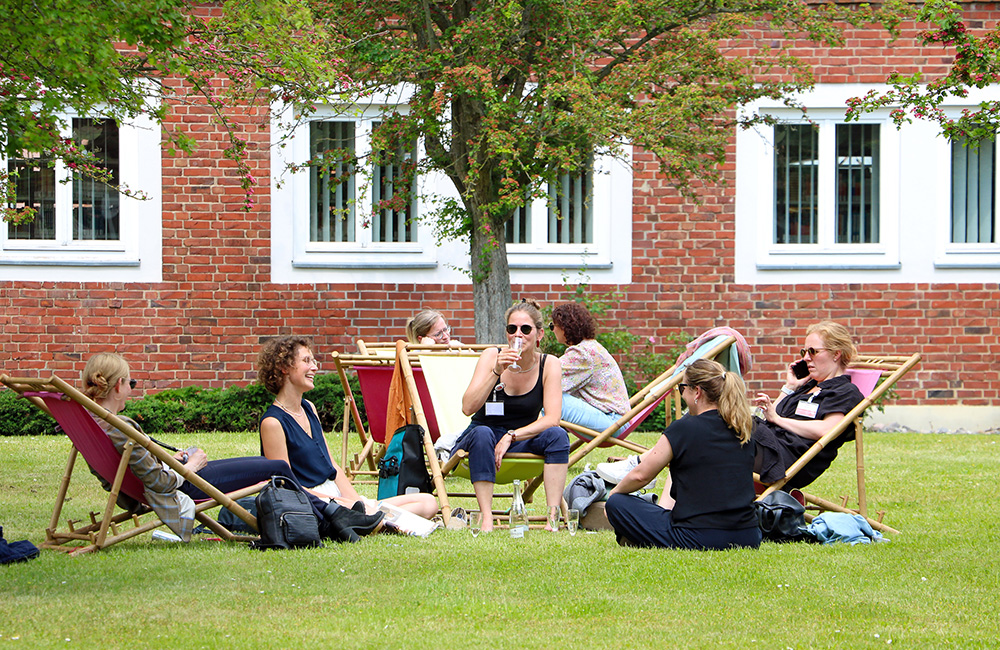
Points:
(594, 393)
(290, 429)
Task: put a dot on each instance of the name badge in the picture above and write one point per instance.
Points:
(496, 408)
(807, 409)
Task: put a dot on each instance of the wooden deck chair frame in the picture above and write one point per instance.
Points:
(107, 528)
(642, 404)
(892, 369)
(361, 468)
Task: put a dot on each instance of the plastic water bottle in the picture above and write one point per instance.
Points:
(518, 514)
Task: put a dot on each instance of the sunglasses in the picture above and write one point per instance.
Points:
(810, 351)
(525, 329)
(132, 383)
(681, 386)
(552, 327)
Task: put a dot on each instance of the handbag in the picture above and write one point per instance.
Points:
(781, 518)
(402, 466)
(285, 517)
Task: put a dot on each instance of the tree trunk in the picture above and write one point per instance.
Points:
(490, 280)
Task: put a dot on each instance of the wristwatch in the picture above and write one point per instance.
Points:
(786, 390)
(513, 436)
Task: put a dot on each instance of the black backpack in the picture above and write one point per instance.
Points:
(285, 518)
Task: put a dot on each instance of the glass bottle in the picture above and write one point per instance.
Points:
(518, 514)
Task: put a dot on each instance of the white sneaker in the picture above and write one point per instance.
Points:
(614, 472)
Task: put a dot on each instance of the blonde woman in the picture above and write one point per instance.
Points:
(710, 457)
(429, 327)
(808, 407)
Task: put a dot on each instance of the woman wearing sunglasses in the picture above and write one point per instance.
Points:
(509, 389)
(711, 472)
(807, 407)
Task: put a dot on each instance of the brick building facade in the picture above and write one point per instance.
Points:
(205, 281)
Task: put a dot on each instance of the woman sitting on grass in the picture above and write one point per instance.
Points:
(290, 429)
(107, 380)
(711, 472)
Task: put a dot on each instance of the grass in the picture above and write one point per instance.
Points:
(932, 586)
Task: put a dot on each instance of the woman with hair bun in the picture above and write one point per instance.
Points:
(509, 388)
(710, 506)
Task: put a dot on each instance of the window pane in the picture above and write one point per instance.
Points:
(36, 188)
(393, 221)
(518, 229)
(973, 170)
(857, 183)
(571, 216)
(331, 182)
(796, 168)
(95, 204)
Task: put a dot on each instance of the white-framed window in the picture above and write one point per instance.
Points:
(967, 233)
(324, 227)
(821, 200)
(823, 192)
(80, 222)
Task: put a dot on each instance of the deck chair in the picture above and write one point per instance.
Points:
(865, 372)
(643, 403)
(373, 368)
(72, 410)
(446, 377)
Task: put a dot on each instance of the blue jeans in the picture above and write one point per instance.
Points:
(480, 440)
(638, 522)
(579, 411)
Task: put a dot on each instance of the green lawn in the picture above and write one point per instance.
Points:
(934, 585)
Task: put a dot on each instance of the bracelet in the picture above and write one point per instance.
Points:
(494, 369)
(786, 390)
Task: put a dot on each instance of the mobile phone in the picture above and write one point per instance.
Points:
(801, 369)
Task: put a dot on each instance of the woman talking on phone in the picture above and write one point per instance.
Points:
(808, 406)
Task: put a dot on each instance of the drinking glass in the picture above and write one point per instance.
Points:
(554, 515)
(477, 523)
(516, 345)
(572, 521)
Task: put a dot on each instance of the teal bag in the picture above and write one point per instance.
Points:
(402, 466)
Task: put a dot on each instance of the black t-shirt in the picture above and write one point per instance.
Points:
(781, 448)
(711, 474)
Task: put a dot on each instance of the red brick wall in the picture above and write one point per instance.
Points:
(204, 323)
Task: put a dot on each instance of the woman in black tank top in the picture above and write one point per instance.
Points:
(507, 393)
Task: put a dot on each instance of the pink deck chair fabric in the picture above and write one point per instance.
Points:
(864, 378)
(374, 381)
(91, 441)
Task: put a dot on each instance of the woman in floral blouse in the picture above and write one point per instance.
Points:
(594, 393)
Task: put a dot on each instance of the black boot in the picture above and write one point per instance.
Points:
(349, 525)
